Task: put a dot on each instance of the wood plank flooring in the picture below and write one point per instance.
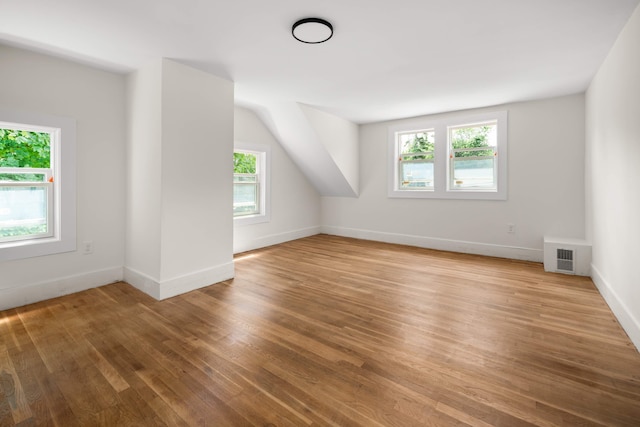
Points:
(327, 331)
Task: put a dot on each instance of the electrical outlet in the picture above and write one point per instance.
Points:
(87, 247)
(511, 228)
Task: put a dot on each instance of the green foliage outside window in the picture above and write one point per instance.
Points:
(420, 143)
(24, 149)
(23, 230)
(244, 163)
(471, 137)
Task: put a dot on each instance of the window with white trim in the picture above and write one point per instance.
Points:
(250, 183)
(473, 149)
(454, 158)
(26, 181)
(416, 159)
(37, 185)
(246, 183)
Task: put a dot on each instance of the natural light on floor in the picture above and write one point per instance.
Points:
(243, 257)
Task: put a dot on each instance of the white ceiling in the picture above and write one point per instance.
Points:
(387, 59)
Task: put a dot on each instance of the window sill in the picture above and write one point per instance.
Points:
(452, 194)
(250, 219)
(35, 247)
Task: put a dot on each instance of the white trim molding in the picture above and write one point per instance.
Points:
(274, 239)
(264, 170)
(500, 251)
(63, 164)
(23, 295)
(161, 290)
(625, 317)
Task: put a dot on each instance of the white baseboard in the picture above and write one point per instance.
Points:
(274, 239)
(23, 295)
(625, 317)
(142, 282)
(512, 252)
(179, 285)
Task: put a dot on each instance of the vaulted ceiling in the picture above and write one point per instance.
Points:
(386, 60)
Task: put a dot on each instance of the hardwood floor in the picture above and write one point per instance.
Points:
(327, 331)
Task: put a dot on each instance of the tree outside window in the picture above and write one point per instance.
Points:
(458, 157)
(473, 152)
(26, 184)
(416, 160)
(246, 184)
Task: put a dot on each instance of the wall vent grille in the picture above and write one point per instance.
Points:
(565, 260)
(568, 256)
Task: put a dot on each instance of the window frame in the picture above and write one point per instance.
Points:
(263, 169)
(256, 184)
(402, 161)
(62, 210)
(46, 184)
(452, 156)
(442, 152)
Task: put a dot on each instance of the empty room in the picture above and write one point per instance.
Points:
(285, 213)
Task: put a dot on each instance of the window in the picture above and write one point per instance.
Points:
(415, 162)
(472, 152)
(246, 184)
(37, 185)
(454, 158)
(26, 182)
(250, 184)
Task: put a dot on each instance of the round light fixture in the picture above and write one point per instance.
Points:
(312, 30)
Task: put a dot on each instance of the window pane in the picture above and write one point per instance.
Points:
(24, 149)
(246, 199)
(244, 162)
(473, 174)
(417, 142)
(418, 175)
(483, 135)
(473, 150)
(23, 212)
(17, 177)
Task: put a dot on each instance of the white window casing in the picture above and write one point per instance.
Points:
(59, 182)
(263, 159)
(444, 185)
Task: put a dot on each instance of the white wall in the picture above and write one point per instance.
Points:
(545, 190)
(185, 152)
(330, 171)
(38, 83)
(613, 174)
(295, 203)
(340, 138)
(143, 169)
(197, 171)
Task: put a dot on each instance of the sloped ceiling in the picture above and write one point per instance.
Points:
(324, 146)
(386, 60)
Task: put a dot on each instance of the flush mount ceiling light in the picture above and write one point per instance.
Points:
(312, 30)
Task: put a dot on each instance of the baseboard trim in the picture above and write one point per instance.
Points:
(161, 290)
(511, 252)
(29, 294)
(625, 317)
(274, 239)
(196, 280)
(142, 282)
